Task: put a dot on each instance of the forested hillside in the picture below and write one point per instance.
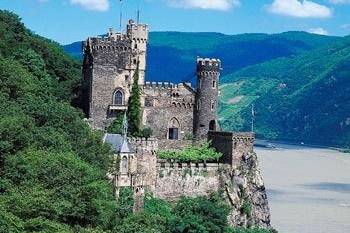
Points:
(305, 98)
(172, 55)
(53, 166)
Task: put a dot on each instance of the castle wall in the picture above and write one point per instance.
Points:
(164, 102)
(145, 151)
(186, 179)
(234, 146)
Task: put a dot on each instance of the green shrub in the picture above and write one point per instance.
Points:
(197, 153)
(146, 133)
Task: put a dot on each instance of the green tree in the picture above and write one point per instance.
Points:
(117, 125)
(134, 109)
(200, 215)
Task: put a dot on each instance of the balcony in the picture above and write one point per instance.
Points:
(117, 107)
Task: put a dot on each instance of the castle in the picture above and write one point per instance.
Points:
(173, 111)
(178, 115)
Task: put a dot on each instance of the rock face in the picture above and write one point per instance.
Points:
(245, 191)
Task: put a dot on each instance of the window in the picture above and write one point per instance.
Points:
(173, 131)
(198, 104)
(118, 98)
(124, 165)
(212, 105)
(214, 84)
(212, 125)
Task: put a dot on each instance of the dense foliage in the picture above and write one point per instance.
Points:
(52, 169)
(196, 153)
(116, 126)
(304, 98)
(195, 215)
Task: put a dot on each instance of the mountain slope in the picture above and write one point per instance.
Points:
(171, 55)
(302, 98)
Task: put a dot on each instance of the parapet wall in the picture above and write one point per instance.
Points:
(144, 144)
(175, 180)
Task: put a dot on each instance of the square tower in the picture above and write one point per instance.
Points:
(108, 68)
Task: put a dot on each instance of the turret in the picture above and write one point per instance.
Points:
(138, 33)
(208, 72)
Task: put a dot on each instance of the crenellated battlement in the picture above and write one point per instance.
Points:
(165, 85)
(166, 165)
(144, 144)
(108, 45)
(159, 85)
(213, 66)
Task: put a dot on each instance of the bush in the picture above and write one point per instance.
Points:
(146, 133)
(197, 153)
(117, 125)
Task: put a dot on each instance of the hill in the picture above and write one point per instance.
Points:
(301, 98)
(175, 52)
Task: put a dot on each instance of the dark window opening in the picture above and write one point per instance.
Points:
(212, 125)
(214, 84)
(173, 133)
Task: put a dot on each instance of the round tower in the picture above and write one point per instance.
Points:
(208, 72)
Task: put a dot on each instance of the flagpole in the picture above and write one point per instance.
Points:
(253, 116)
(121, 15)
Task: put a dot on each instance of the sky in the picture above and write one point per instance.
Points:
(67, 21)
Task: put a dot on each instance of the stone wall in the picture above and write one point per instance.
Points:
(145, 150)
(186, 179)
(166, 105)
(232, 145)
(109, 65)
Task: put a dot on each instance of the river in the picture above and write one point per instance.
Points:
(308, 188)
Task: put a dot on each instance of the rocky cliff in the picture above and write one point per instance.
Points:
(245, 191)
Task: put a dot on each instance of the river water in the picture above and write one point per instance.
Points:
(308, 188)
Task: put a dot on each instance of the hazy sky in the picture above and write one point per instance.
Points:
(67, 21)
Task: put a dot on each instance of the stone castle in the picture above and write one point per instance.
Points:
(179, 115)
(173, 111)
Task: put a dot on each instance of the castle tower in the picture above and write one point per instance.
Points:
(138, 33)
(208, 72)
(108, 68)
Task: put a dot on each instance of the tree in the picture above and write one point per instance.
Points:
(117, 125)
(134, 109)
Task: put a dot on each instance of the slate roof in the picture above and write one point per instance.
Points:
(118, 143)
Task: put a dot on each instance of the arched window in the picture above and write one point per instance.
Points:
(118, 98)
(124, 165)
(173, 131)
